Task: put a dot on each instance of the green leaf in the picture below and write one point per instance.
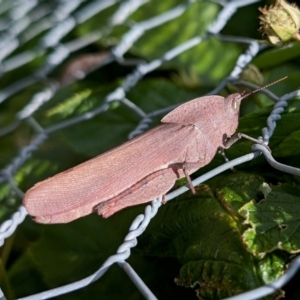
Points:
(203, 232)
(274, 222)
(69, 252)
(237, 189)
(277, 56)
(25, 277)
(289, 145)
(193, 22)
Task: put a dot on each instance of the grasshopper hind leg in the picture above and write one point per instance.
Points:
(147, 189)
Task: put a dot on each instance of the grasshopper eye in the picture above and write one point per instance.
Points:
(235, 104)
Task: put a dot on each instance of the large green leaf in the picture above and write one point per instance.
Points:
(67, 253)
(204, 233)
(274, 221)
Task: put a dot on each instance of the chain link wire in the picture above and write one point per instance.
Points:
(29, 18)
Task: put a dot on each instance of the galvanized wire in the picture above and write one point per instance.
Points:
(65, 17)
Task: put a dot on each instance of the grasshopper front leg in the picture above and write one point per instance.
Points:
(230, 141)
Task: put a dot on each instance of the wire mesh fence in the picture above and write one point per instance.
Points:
(38, 37)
